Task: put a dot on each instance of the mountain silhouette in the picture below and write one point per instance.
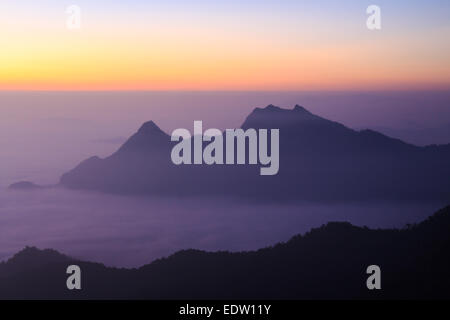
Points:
(329, 262)
(24, 185)
(320, 160)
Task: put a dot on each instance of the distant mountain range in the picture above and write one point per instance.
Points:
(320, 160)
(419, 135)
(327, 263)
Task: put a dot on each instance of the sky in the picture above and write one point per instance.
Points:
(224, 45)
(255, 50)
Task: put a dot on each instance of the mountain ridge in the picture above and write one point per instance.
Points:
(320, 160)
(328, 262)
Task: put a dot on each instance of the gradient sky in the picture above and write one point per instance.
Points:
(224, 45)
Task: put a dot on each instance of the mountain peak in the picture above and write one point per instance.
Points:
(148, 137)
(149, 127)
(274, 116)
(271, 107)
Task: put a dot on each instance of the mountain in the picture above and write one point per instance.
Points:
(419, 135)
(31, 258)
(320, 160)
(24, 185)
(329, 262)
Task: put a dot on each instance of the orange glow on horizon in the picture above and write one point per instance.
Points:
(195, 58)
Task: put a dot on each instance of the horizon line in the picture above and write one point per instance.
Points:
(223, 90)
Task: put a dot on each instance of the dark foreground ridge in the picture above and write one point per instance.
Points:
(327, 263)
(320, 160)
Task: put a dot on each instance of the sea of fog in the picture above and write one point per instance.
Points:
(132, 231)
(44, 134)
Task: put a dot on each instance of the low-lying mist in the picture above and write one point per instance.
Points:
(132, 231)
